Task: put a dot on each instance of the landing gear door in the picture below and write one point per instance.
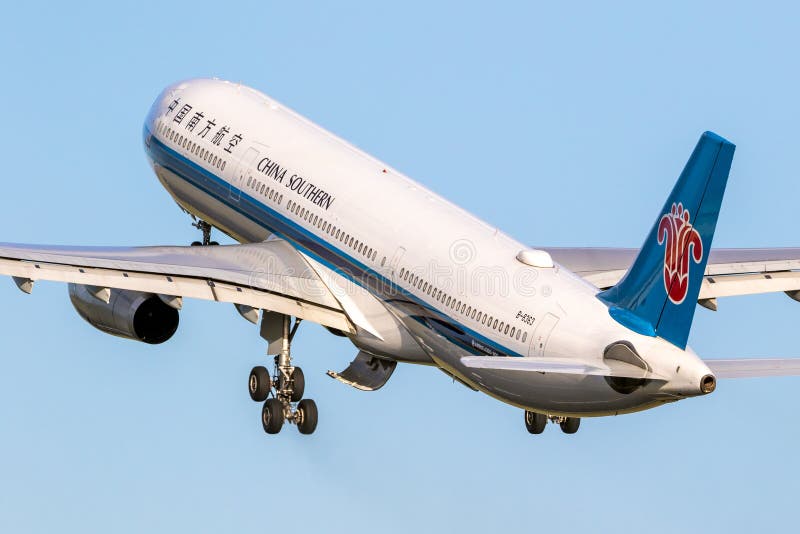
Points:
(541, 335)
(243, 171)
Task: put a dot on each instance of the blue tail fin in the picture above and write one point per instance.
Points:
(659, 293)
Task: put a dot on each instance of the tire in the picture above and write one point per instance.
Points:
(308, 416)
(571, 425)
(213, 243)
(272, 416)
(197, 244)
(298, 385)
(259, 384)
(535, 422)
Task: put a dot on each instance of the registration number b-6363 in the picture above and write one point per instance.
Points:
(525, 317)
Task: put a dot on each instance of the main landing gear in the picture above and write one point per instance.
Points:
(535, 422)
(206, 229)
(282, 392)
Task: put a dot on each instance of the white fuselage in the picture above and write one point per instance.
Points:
(451, 283)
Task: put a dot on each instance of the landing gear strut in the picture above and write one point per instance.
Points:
(206, 229)
(535, 422)
(287, 386)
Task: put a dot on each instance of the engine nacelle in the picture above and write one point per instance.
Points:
(129, 314)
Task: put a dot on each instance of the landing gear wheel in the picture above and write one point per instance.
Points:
(213, 243)
(570, 425)
(298, 384)
(272, 416)
(307, 410)
(535, 422)
(259, 384)
(197, 244)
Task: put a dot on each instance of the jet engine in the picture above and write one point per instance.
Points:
(130, 314)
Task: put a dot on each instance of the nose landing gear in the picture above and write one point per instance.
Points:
(287, 385)
(206, 229)
(535, 422)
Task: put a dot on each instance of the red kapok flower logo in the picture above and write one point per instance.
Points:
(682, 241)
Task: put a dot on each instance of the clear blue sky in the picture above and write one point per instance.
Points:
(563, 126)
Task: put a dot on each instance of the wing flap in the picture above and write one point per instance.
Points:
(749, 284)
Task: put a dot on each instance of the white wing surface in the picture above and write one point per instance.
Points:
(270, 275)
(729, 272)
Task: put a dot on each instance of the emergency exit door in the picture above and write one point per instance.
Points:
(244, 170)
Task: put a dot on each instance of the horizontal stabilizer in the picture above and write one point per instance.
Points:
(558, 366)
(754, 368)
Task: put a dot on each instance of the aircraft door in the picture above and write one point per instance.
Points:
(541, 334)
(243, 171)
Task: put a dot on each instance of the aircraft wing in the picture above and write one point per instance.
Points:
(270, 275)
(729, 272)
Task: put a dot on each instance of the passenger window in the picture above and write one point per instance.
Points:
(524, 336)
(506, 330)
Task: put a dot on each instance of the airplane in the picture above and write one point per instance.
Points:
(328, 234)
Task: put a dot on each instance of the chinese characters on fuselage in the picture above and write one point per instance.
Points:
(201, 126)
(209, 125)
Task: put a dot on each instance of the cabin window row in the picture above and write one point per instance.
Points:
(192, 147)
(337, 233)
(463, 308)
(260, 187)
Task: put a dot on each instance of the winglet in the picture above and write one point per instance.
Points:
(658, 294)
